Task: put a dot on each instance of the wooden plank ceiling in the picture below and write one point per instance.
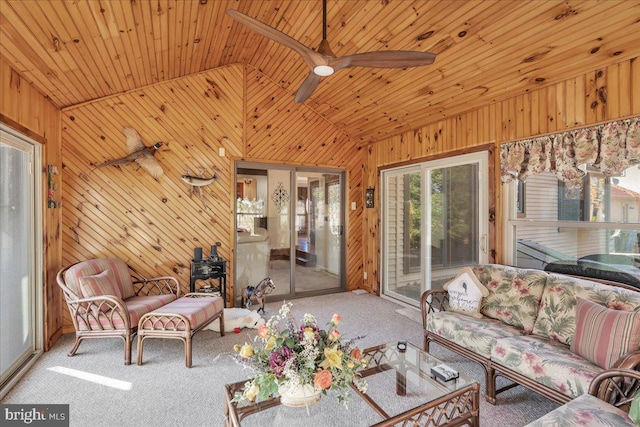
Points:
(74, 51)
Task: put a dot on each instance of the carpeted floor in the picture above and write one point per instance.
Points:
(101, 391)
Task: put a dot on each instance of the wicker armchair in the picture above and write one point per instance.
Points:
(106, 298)
(607, 403)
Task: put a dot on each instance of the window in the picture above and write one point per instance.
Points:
(20, 259)
(591, 228)
(434, 221)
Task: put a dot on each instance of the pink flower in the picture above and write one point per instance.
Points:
(584, 417)
(538, 369)
(619, 305)
(524, 292)
(334, 335)
(323, 379)
(335, 319)
(500, 351)
(562, 387)
(263, 331)
(518, 283)
(554, 336)
(493, 284)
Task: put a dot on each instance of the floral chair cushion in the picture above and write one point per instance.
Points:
(514, 294)
(604, 335)
(477, 335)
(547, 362)
(585, 410)
(557, 317)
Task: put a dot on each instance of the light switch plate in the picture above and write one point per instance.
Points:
(221, 151)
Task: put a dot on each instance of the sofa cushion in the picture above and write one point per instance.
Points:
(477, 335)
(547, 362)
(197, 310)
(604, 335)
(557, 317)
(514, 294)
(585, 410)
(136, 306)
(92, 267)
(465, 293)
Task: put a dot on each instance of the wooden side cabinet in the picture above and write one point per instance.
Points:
(214, 273)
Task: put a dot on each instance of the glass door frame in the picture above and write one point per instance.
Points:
(481, 158)
(294, 170)
(36, 309)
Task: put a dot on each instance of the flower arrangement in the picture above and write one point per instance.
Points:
(300, 354)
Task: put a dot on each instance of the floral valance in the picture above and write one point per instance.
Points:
(610, 147)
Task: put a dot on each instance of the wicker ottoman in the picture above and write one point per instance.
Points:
(181, 319)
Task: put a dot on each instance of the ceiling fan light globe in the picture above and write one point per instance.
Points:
(323, 70)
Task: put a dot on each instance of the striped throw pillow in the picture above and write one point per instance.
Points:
(101, 284)
(604, 335)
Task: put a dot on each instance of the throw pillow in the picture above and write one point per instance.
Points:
(514, 299)
(603, 335)
(465, 293)
(101, 284)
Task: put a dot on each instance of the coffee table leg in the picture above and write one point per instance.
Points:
(401, 374)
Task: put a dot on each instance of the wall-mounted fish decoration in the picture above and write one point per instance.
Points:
(197, 182)
(138, 153)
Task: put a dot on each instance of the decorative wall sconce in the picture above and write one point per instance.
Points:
(369, 197)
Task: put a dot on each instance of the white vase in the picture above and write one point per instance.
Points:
(300, 395)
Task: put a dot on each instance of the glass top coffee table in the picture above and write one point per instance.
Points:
(401, 391)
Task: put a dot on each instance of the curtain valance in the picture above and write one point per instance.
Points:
(610, 147)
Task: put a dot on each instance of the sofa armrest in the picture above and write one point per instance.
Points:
(432, 301)
(157, 286)
(617, 387)
(98, 308)
(628, 361)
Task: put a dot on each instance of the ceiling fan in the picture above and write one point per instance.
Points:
(324, 62)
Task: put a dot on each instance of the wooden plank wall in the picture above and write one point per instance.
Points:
(122, 211)
(154, 224)
(27, 111)
(280, 131)
(598, 96)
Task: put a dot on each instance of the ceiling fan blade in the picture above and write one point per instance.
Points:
(384, 59)
(308, 86)
(310, 56)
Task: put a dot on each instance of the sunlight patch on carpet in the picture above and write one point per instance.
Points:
(98, 379)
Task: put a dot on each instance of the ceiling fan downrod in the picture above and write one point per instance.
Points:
(324, 48)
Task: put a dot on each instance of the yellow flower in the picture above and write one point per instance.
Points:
(236, 348)
(332, 358)
(350, 365)
(270, 344)
(252, 391)
(309, 334)
(246, 351)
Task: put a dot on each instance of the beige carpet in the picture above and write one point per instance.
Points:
(101, 391)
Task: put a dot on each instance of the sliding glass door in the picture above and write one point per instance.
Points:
(289, 228)
(434, 221)
(19, 286)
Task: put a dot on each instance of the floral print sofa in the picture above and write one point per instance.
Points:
(528, 328)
